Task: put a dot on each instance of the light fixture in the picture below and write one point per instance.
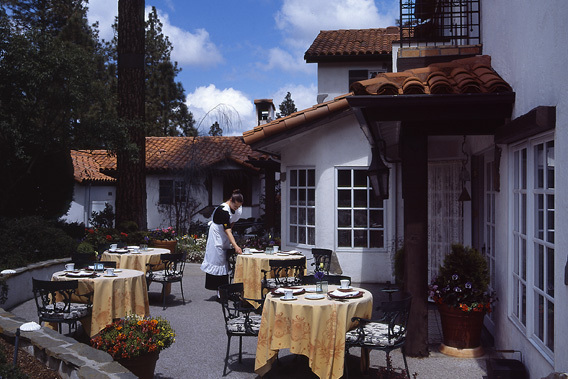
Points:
(464, 176)
(378, 174)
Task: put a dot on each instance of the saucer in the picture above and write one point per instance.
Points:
(347, 289)
(110, 275)
(288, 299)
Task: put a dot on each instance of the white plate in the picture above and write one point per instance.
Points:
(255, 251)
(80, 274)
(292, 298)
(110, 276)
(247, 253)
(132, 247)
(315, 296)
(282, 254)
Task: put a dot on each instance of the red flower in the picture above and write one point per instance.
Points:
(108, 237)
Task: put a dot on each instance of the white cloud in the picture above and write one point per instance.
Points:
(279, 58)
(230, 107)
(190, 48)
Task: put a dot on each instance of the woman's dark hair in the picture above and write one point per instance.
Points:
(237, 196)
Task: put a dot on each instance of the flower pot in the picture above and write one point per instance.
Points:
(170, 245)
(462, 331)
(142, 366)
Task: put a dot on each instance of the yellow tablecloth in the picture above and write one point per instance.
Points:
(248, 270)
(314, 328)
(113, 297)
(135, 261)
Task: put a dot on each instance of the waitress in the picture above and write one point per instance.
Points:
(220, 239)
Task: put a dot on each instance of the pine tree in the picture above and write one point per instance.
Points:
(215, 130)
(287, 107)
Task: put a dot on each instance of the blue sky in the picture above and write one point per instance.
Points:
(234, 51)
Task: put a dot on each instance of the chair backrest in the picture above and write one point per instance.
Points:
(45, 292)
(231, 297)
(395, 314)
(174, 264)
(284, 269)
(81, 257)
(232, 260)
(321, 256)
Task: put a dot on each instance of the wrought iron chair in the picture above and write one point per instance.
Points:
(171, 271)
(240, 319)
(232, 259)
(386, 333)
(322, 256)
(60, 309)
(283, 273)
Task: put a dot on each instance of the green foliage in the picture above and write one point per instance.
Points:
(104, 218)
(32, 239)
(463, 280)
(193, 246)
(287, 107)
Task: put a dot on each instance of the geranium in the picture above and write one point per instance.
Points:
(134, 336)
(463, 281)
(164, 234)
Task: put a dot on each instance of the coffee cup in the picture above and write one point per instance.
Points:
(275, 248)
(246, 250)
(113, 246)
(344, 283)
(110, 271)
(69, 266)
(288, 293)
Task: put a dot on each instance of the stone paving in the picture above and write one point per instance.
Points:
(199, 350)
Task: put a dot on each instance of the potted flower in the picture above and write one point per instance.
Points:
(135, 342)
(461, 292)
(164, 238)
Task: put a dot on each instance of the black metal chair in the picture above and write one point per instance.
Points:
(55, 304)
(322, 259)
(386, 333)
(240, 319)
(330, 279)
(83, 260)
(232, 259)
(170, 271)
(283, 273)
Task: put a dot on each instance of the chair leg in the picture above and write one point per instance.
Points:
(405, 364)
(182, 297)
(240, 349)
(163, 296)
(227, 355)
(345, 368)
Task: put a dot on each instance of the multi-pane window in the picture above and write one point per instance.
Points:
(171, 192)
(302, 208)
(533, 240)
(360, 215)
(489, 224)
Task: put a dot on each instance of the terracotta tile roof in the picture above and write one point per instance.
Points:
(352, 42)
(467, 75)
(315, 113)
(167, 154)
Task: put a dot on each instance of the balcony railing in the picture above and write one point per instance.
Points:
(440, 22)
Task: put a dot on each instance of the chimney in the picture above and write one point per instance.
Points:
(264, 111)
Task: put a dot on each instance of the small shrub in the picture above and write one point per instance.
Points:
(193, 246)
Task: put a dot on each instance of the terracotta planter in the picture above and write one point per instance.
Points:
(143, 366)
(170, 245)
(461, 330)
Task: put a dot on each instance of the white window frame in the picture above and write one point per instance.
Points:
(525, 239)
(309, 208)
(366, 208)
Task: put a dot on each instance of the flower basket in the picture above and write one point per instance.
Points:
(162, 244)
(461, 330)
(135, 342)
(143, 366)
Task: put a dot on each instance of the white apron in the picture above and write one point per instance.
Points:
(215, 261)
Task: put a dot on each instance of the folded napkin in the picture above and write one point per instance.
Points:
(339, 293)
(255, 251)
(294, 252)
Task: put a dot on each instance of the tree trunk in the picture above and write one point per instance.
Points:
(415, 194)
(131, 189)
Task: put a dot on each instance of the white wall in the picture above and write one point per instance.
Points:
(333, 78)
(527, 43)
(339, 143)
(87, 199)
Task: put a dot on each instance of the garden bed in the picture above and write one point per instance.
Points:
(27, 364)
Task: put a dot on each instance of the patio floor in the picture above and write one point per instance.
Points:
(199, 350)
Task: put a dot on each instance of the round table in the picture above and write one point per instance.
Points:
(135, 261)
(315, 328)
(248, 270)
(113, 297)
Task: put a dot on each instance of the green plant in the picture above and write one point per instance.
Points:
(164, 234)
(463, 281)
(193, 246)
(104, 218)
(134, 336)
